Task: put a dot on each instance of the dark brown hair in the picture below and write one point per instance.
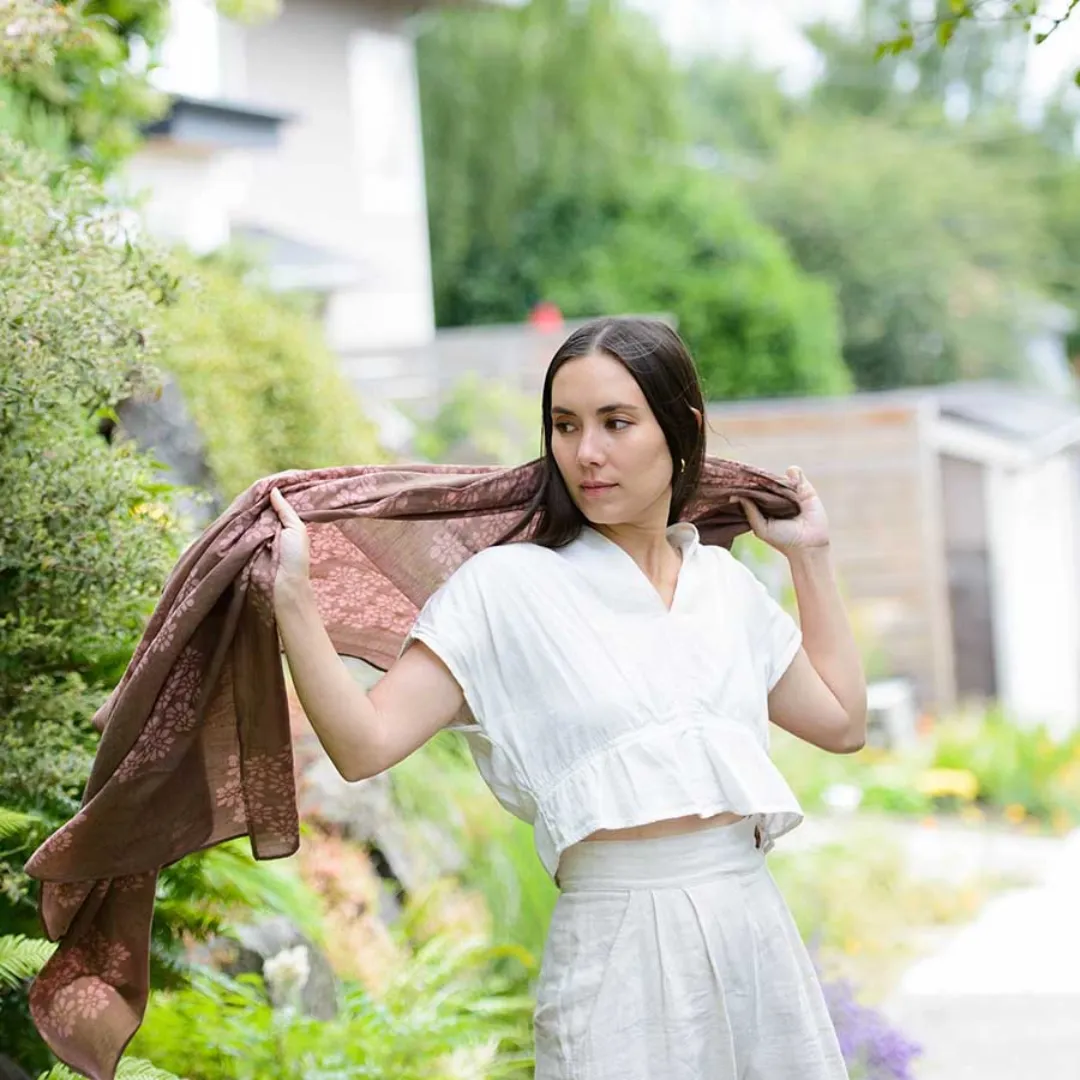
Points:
(662, 366)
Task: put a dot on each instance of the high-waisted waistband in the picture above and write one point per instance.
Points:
(661, 861)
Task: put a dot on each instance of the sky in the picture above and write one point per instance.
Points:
(769, 31)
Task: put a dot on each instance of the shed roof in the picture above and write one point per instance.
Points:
(1009, 411)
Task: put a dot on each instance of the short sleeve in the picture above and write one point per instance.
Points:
(453, 625)
(775, 636)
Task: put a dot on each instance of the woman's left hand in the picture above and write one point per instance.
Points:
(809, 530)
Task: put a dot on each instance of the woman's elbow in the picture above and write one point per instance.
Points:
(850, 743)
(852, 738)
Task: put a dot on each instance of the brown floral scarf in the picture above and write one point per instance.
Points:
(195, 742)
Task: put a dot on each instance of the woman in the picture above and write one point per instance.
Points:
(620, 677)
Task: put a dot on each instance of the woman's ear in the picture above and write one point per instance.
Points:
(700, 418)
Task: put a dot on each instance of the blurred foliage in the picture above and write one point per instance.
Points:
(959, 27)
(128, 1069)
(208, 892)
(558, 170)
(922, 222)
(856, 901)
(911, 186)
(542, 110)
(263, 386)
(445, 1018)
(480, 420)
(932, 252)
(439, 783)
(1015, 767)
(980, 74)
(81, 69)
(688, 245)
(981, 766)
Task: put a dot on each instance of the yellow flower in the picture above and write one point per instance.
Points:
(935, 783)
(972, 814)
(1061, 820)
(154, 511)
(1015, 813)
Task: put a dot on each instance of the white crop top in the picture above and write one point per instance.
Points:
(594, 707)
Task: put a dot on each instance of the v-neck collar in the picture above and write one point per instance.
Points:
(609, 558)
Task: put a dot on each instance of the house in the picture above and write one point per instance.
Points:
(300, 137)
(955, 516)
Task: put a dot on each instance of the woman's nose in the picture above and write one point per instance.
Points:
(589, 451)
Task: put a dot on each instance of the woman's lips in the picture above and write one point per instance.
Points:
(593, 491)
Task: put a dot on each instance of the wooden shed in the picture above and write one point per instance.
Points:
(955, 516)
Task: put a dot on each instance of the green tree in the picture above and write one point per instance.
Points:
(521, 107)
(954, 24)
(688, 246)
(933, 252)
(980, 74)
(559, 167)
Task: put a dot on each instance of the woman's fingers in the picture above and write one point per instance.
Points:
(753, 514)
(283, 508)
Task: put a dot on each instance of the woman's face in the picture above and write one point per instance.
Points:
(607, 443)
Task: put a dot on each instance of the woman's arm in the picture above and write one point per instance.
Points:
(821, 697)
(364, 733)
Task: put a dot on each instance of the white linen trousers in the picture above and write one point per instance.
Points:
(676, 958)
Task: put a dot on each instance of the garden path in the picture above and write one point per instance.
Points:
(999, 999)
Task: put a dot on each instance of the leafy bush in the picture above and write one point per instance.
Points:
(86, 537)
(687, 244)
(445, 1009)
(1015, 767)
(81, 558)
(264, 388)
(971, 765)
(481, 420)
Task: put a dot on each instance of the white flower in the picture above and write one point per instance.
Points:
(842, 797)
(469, 1062)
(287, 973)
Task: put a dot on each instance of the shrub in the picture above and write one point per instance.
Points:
(86, 536)
(446, 1008)
(264, 388)
(688, 245)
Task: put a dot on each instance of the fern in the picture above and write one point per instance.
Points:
(22, 957)
(15, 823)
(129, 1069)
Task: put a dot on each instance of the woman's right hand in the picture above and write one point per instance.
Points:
(294, 564)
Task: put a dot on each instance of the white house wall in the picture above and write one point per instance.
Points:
(190, 195)
(349, 172)
(1034, 536)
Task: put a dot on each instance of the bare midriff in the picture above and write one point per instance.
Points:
(665, 827)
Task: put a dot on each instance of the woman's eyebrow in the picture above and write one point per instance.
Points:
(601, 411)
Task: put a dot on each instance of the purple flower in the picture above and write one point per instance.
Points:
(872, 1048)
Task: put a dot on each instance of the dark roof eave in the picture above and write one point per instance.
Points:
(212, 122)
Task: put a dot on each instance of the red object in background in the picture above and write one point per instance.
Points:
(546, 316)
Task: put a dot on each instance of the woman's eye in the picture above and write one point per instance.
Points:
(616, 420)
(562, 426)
